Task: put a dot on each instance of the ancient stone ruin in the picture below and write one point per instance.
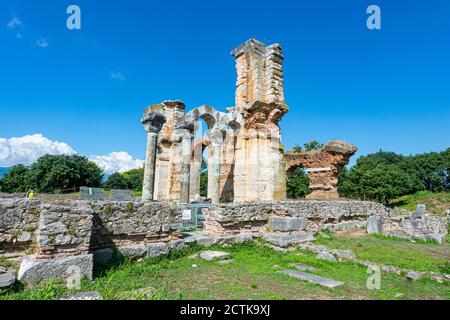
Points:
(246, 160)
(323, 167)
(247, 167)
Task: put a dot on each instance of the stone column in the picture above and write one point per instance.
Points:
(196, 163)
(153, 122)
(149, 167)
(214, 166)
(185, 167)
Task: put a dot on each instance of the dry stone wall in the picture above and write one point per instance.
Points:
(68, 228)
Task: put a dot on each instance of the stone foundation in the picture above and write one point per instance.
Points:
(254, 216)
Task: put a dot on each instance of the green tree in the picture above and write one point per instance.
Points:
(312, 145)
(296, 149)
(16, 179)
(63, 173)
(298, 185)
(204, 179)
(381, 183)
(116, 181)
(134, 179)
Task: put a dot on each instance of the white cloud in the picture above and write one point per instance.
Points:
(14, 22)
(117, 162)
(118, 76)
(27, 149)
(19, 35)
(42, 43)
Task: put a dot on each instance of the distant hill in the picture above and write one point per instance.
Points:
(3, 171)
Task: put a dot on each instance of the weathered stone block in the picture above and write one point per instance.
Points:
(285, 240)
(157, 249)
(133, 252)
(329, 283)
(287, 224)
(34, 271)
(421, 212)
(7, 277)
(214, 255)
(374, 225)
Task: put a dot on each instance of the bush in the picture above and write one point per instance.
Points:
(298, 185)
(116, 181)
(16, 179)
(383, 176)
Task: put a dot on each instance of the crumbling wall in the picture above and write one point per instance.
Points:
(253, 216)
(323, 167)
(18, 223)
(68, 228)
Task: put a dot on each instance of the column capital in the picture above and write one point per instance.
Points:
(153, 120)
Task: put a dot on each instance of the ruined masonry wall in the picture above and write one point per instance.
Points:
(77, 227)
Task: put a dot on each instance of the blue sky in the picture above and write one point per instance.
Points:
(378, 89)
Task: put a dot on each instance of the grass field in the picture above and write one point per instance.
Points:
(253, 274)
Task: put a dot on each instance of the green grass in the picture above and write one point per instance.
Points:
(252, 275)
(436, 202)
(418, 255)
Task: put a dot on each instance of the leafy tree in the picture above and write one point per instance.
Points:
(116, 181)
(63, 173)
(296, 149)
(313, 145)
(134, 179)
(298, 185)
(16, 179)
(383, 175)
(204, 179)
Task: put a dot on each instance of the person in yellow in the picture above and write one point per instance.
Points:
(30, 194)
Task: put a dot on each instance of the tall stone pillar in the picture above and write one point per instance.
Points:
(185, 166)
(149, 167)
(153, 122)
(259, 171)
(196, 164)
(215, 151)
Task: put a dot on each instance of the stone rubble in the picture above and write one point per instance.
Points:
(214, 255)
(329, 283)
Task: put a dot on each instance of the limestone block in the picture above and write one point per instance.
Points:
(35, 271)
(157, 249)
(285, 240)
(374, 225)
(287, 224)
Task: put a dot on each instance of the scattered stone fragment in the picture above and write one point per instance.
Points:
(7, 277)
(143, 293)
(282, 249)
(413, 275)
(214, 255)
(228, 261)
(303, 267)
(194, 256)
(324, 255)
(194, 266)
(329, 283)
(93, 295)
(344, 254)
